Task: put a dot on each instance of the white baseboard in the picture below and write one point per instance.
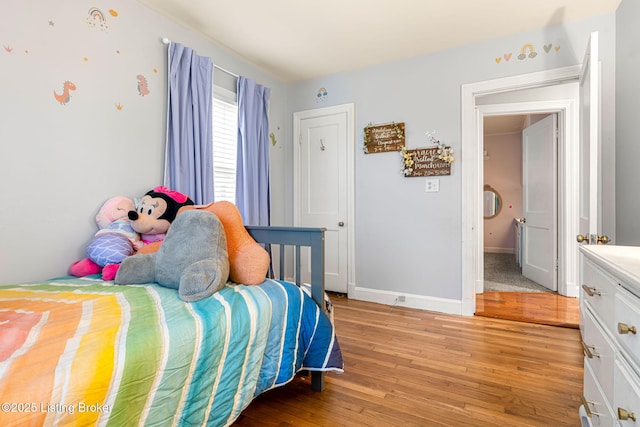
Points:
(440, 305)
(500, 250)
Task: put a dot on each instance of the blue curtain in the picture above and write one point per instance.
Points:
(252, 175)
(189, 151)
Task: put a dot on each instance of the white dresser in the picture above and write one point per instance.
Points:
(610, 328)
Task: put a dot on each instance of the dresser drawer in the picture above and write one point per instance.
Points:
(627, 320)
(598, 291)
(626, 400)
(599, 354)
(599, 412)
(610, 327)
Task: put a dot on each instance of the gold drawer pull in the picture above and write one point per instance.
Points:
(623, 415)
(624, 329)
(587, 408)
(591, 291)
(587, 350)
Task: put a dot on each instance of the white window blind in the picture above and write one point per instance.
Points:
(225, 137)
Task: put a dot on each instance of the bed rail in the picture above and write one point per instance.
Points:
(299, 237)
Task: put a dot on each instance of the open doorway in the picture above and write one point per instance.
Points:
(549, 91)
(520, 183)
(535, 170)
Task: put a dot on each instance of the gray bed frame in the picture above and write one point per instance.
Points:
(298, 237)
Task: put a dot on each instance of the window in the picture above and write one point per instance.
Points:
(225, 142)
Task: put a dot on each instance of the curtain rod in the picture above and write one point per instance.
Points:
(167, 41)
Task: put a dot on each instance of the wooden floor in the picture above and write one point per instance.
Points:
(407, 367)
(546, 308)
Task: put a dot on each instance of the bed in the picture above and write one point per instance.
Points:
(83, 351)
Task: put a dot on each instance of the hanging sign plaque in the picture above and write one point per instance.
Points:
(426, 162)
(383, 138)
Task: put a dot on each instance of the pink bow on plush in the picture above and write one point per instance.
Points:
(175, 195)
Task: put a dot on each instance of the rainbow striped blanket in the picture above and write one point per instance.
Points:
(88, 352)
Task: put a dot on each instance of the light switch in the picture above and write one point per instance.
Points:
(432, 185)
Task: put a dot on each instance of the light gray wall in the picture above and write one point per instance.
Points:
(407, 240)
(59, 163)
(627, 115)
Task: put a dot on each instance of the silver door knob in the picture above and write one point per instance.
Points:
(341, 224)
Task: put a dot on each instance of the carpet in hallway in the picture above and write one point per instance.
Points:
(502, 274)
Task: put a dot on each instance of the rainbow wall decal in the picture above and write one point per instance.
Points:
(322, 94)
(523, 52)
(527, 51)
(96, 19)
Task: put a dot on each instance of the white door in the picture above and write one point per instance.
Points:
(590, 225)
(321, 185)
(539, 177)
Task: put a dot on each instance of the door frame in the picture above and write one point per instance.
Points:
(472, 174)
(349, 110)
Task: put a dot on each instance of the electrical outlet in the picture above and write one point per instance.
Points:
(402, 298)
(432, 185)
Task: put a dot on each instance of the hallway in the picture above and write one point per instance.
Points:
(511, 296)
(502, 274)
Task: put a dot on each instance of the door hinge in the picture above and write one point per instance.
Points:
(300, 139)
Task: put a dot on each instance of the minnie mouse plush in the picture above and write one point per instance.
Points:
(155, 212)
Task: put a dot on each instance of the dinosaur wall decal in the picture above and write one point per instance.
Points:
(65, 96)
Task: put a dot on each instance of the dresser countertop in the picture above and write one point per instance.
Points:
(622, 262)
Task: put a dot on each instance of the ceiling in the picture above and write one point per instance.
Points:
(504, 124)
(296, 40)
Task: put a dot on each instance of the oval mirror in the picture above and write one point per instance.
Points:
(492, 202)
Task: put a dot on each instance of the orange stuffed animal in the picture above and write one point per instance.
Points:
(248, 261)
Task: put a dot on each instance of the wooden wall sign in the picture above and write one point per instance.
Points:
(383, 138)
(427, 163)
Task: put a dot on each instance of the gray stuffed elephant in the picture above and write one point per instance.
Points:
(192, 259)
